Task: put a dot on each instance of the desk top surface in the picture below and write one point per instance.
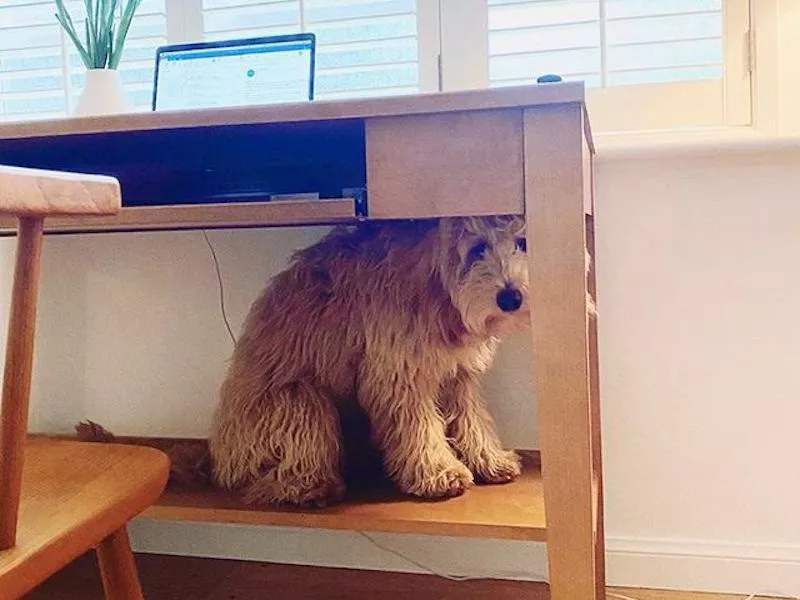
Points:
(522, 96)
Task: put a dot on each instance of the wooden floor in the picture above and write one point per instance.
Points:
(184, 578)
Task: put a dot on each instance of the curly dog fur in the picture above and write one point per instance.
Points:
(401, 320)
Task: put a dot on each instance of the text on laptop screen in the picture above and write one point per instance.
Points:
(244, 75)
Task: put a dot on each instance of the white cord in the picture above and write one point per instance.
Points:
(425, 568)
(221, 288)
(618, 596)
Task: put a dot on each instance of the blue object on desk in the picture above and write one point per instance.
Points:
(549, 78)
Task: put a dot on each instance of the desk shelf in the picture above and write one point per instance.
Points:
(206, 216)
(511, 511)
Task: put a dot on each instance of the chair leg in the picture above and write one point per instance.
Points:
(18, 370)
(118, 567)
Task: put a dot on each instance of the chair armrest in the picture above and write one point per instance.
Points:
(28, 192)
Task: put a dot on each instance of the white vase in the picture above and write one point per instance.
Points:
(102, 94)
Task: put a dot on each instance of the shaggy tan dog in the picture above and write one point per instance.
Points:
(400, 318)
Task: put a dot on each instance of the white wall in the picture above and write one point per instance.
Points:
(699, 342)
(700, 339)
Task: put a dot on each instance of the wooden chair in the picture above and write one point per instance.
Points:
(60, 498)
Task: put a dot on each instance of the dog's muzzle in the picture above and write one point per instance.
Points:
(509, 299)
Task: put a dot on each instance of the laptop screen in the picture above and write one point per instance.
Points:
(235, 73)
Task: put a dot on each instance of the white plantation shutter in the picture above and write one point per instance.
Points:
(364, 47)
(681, 60)
(635, 41)
(148, 32)
(528, 39)
(40, 70)
(224, 19)
(670, 40)
(31, 64)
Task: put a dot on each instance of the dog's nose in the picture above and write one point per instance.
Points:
(509, 299)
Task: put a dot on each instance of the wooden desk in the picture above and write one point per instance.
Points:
(520, 150)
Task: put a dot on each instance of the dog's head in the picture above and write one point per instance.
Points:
(483, 265)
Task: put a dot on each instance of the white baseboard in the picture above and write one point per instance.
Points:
(461, 557)
(724, 567)
(631, 562)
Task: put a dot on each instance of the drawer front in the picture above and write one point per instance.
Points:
(450, 164)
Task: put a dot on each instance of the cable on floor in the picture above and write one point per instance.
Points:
(417, 564)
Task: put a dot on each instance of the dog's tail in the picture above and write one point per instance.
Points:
(190, 459)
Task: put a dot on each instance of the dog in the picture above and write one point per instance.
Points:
(397, 319)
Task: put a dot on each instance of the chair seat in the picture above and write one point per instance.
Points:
(74, 495)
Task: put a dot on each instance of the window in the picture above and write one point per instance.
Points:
(632, 43)
(41, 74)
(31, 62)
(648, 64)
(364, 47)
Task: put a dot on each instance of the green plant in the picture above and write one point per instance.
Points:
(105, 37)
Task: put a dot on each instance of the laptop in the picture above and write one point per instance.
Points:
(243, 72)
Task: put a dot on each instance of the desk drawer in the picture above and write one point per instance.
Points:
(445, 164)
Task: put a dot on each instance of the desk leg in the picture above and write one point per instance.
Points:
(564, 349)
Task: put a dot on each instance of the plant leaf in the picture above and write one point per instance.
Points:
(97, 32)
(101, 13)
(105, 38)
(111, 47)
(110, 9)
(91, 38)
(122, 32)
(67, 24)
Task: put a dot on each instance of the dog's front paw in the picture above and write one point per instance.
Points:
(301, 492)
(441, 481)
(497, 467)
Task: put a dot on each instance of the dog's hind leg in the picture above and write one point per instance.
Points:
(411, 436)
(303, 435)
(471, 431)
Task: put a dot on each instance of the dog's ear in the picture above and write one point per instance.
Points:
(451, 231)
(518, 225)
(447, 228)
(510, 224)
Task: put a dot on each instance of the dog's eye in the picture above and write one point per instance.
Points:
(477, 251)
(522, 244)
